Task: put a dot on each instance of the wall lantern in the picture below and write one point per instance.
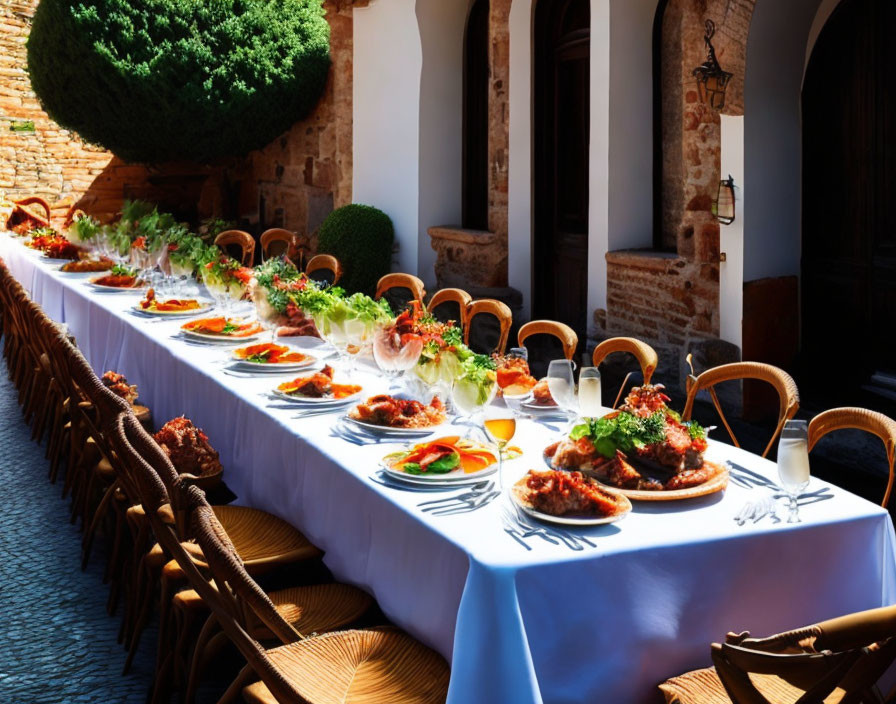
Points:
(711, 79)
(724, 207)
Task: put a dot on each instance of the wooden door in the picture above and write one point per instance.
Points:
(562, 101)
(849, 195)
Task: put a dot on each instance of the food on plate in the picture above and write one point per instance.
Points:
(541, 394)
(55, 246)
(643, 446)
(269, 353)
(514, 378)
(118, 277)
(223, 327)
(172, 305)
(399, 412)
(558, 493)
(448, 454)
(188, 448)
(318, 385)
(118, 384)
(83, 266)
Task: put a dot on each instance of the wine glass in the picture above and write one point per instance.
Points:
(267, 315)
(471, 396)
(395, 354)
(562, 385)
(590, 400)
(793, 463)
(515, 395)
(500, 429)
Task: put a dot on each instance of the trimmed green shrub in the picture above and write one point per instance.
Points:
(162, 80)
(361, 238)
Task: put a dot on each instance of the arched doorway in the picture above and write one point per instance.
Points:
(849, 181)
(561, 144)
(476, 78)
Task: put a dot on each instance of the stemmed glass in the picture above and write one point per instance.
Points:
(562, 385)
(514, 397)
(590, 400)
(267, 315)
(395, 355)
(470, 398)
(500, 429)
(793, 463)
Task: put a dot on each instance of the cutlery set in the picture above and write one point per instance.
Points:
(520, 527)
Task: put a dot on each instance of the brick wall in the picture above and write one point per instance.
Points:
(294, 182)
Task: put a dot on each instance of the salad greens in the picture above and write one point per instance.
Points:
(443, 465)
(624, 431)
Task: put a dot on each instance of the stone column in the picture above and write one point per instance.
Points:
(499, 119)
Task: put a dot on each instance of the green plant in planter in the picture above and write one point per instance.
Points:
(161, 80)
(361, 238)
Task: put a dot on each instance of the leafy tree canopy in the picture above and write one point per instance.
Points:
(161, 80)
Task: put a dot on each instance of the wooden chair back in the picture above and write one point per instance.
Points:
(858, 419)
(324, 263)
(565, 334)
(275, 242)
(451, 296)
(781, 381)
(498, 310)
(30, 202)
(399, 290)
(644, 353)
(242, 240)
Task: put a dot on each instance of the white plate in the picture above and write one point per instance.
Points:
(217, 339)
(547, 411)
(244, 365)
(397, 432)
(115, 289)
(302, 400)
(203, 308)
(566, 520)
(450, 479)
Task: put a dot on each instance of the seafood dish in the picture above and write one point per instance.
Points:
(644, 446)
(118, 277)
(558, 493)
(55, 246)
(151, 304)
(318, 385)
(223, 327)
(188, 448)
(541, 394)
(83, 266)
(391, 412)
(448, 455)
(118, 385)
(513, 376)
(269, 353)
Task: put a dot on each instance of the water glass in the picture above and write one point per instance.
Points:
(793, 463)
(590, 398)
(562, 385)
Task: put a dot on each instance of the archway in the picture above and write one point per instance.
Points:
(849, 173)
(561, 163)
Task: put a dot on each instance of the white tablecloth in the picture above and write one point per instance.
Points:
(551, 625)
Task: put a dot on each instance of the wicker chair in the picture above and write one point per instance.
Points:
(565, 334)
(324, 668)
(446, 297)
(262, 540)
(782, 382)
(495, 309)
(276, 242)
(834, 661)
(324, 263)
(643, 353)
(858, 419)
(399, 290)
(241, 240)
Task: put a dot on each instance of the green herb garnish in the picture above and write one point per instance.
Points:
(625, 432)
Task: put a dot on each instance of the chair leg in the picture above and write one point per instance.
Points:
(197, 663)
(93, 526)
(236, 688)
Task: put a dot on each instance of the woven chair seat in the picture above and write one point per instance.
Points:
(261, 538)
(705, 687)
(316, 608)
(358, 667)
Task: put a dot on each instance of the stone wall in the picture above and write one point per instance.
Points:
(671, 299)
(293, 182)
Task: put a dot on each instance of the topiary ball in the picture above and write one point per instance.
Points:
(361, 238)
(163, 80)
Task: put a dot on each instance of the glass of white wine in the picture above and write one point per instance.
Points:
(500, 429)
(590, 399)
(793, 463)
(562, 385)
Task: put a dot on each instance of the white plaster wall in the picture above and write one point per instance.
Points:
(731, 240)
(386, 94)
(776, 51)
(631, 124)
(442, 26)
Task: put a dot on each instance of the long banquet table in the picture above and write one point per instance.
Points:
(548, 625)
